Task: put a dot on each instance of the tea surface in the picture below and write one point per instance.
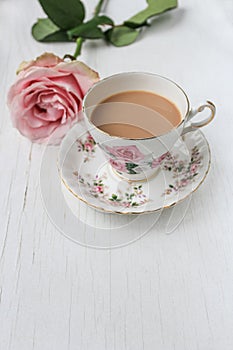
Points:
(136, 114)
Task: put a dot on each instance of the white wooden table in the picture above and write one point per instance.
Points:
(164, 291)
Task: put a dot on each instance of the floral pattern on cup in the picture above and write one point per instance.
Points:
(126, 153)
(86, 145)
(130, 160)
(96, 187)
(184, 172)
(118, 165)
(157, 161)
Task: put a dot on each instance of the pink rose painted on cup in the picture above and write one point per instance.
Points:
(47, 96)
(126, 153)
(157, 161)
(118, 165)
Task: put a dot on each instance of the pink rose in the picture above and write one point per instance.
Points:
(163, 156)
(126, 153)
(158, 161)
(118, 165)
(99, 189)
(193, 168)
(90, 138)
(155, 163)
(45, 99)
(184, 182)
(126, 204)
(88, 146)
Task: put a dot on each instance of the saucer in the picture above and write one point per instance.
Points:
(86, 173)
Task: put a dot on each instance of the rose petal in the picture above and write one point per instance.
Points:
(49, 115)
(45, 60)
(78, 67)
(85, 76)
(29, 116)
(69, 83)
(35, 96)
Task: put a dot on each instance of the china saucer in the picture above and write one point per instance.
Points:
(87, 175)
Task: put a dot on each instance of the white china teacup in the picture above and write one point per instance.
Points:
(139, 159)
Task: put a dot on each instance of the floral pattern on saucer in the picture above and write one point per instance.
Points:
(184, 172)
(88, 176)
(97, 188)
(86, 145)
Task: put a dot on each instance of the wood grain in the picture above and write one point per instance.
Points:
(168, 292)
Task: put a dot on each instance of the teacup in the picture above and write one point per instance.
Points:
(139, 159)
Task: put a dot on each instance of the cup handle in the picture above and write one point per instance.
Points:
(204, 122)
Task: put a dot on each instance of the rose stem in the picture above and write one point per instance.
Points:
(78, 49)
(80, 41)
(98, 7)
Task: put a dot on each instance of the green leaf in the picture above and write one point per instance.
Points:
(103, 20)
(59, 36)
(131, 171)
(154, 8)
(90, 29)
(130, 165)
(46, 31)
(121, 35)
(66, 14)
